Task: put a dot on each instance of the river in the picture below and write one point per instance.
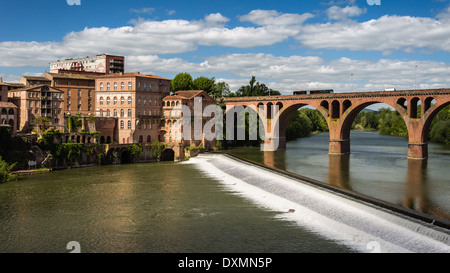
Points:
(214, 204)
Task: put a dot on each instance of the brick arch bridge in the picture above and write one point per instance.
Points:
(340, 110)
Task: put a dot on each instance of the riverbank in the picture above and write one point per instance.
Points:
(354, 220)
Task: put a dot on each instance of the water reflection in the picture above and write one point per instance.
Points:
(339, 171)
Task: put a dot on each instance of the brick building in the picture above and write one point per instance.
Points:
(134, 100)
(173, 125)
(78, 89)
(38, 101)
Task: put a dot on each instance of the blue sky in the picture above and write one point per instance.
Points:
(347, 45)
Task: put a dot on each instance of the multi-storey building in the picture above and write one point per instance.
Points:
(38, 101)
(32, 80)
(8, 110)
(134, 100)
(78, 89)
(101, 64)
(177, 128)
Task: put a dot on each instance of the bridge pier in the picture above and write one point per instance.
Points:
(418, 151)
(274, 144)
(339, 147)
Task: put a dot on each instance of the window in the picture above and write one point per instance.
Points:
(115, 86)
(115, 112)
(79, 93)
(129, 100)
(122, 100)
(129, 112)
(150, 101)
(101, 100)
(122, 86)
(108, 86)
(79, 101)
(89, 93)
(122, 113)
(108, 101)
(129, 85)
(108, 113)
(101, 86)
(115, 100)
(139, 100)
(129, 124)
(145, 86)
(68, 92)
(121, 124)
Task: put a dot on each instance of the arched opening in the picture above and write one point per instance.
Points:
(141, 139)
(346, 105)
(108, 140)
(437, 125)
(325, 105)
(335, 109)
(402, 102)
(412, 109)
(125, 157)
(269, 110)
(168, 155)
(430, 101)
(11, 112)
(4, 111)
(243, 126)
(301, 120)
(102, 140)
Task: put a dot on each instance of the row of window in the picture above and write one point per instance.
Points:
(129, 101)
(53, 95)
(79, 93)
(147, 86)
(53, 104)
(90, 83)
(7, 112)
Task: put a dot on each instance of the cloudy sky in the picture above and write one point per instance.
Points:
(346, 45)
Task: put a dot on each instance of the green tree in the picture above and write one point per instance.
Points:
(205, 84)
(222, 89)
(135, 150)
(182, 81)
(157, 149)
(43, 123)
(255, 89)
(74, 123)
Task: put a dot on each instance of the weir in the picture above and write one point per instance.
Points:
(360, 225)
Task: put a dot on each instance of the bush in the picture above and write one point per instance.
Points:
(5, 171)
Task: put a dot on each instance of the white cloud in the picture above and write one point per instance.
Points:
(143, 10)
(338, 13)
(147, 37)
(384, 34)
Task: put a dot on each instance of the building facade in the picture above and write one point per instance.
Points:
(177, 128)
(38, 101)
(78, 89)
(134, 100)
(101, 64)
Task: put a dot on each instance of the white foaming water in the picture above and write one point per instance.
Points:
(361, 227)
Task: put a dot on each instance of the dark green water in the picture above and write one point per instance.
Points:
(156, 207)
(377, 166)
